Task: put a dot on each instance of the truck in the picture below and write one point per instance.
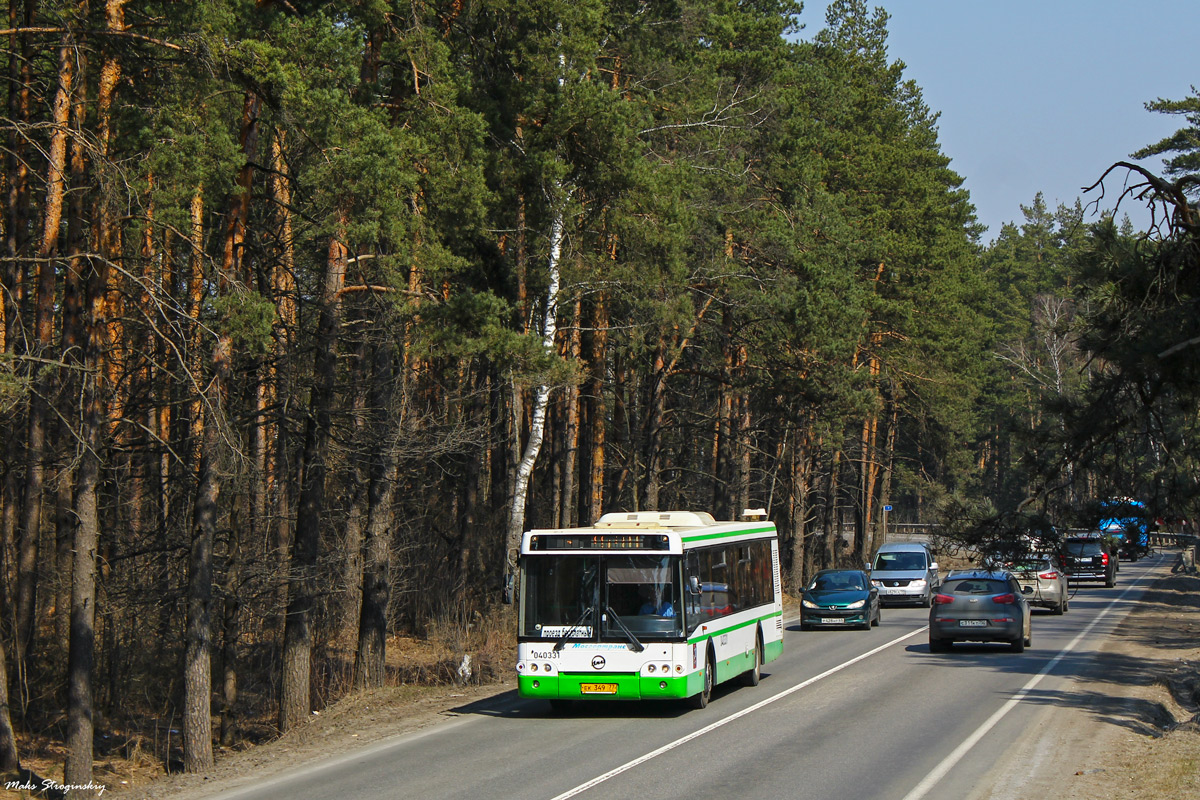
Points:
(1125, 523)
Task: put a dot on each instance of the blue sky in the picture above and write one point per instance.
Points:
(1042, 95)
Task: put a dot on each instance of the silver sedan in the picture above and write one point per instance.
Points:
(1043, 584)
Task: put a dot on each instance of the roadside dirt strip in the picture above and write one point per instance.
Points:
(1128, 725)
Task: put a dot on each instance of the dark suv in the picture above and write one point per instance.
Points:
(1086, 558)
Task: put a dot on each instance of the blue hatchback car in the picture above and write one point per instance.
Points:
(839, 598)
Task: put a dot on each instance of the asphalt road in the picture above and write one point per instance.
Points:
(843, 714)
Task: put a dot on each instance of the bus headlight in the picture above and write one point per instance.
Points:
(650, 668)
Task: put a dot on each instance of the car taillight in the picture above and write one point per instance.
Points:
(942, 599)
(1005, 599)
(1104, 559)
(1048, 576)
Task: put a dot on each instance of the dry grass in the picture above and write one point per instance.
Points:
(143, 747)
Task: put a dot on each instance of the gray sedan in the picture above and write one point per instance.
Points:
(980, 606)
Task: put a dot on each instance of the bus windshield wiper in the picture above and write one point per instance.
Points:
(634, 644)
(562, 640)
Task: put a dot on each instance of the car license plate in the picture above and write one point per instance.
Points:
(972, 623)
(832, 621)
(893, 591)
(597, 688)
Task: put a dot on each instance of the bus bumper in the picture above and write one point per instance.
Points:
(591, 686)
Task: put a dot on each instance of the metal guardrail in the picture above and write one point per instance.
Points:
(922, 531)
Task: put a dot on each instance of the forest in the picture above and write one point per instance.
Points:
(312, 307)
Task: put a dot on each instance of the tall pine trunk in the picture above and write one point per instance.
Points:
(798, 502)
(197, 674)
(370, 659)
(81, 648)
(568, 510)
(655, 419)
(295, 698)
(597, 408)
(35, 440)
(9, 762)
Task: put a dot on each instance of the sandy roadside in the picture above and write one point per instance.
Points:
(1119, 729)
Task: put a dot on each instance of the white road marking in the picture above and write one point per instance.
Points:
(921, 789)
(583, 787)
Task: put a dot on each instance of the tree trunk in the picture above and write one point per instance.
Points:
(798, 502)
(568, 513)
(370, 660)
(81, 653)
(81, 650)
(524, 469)
(35, 442)
(868, 474)
(597, 407)
(283, 286)
(722, 457)
(832, 520)
(197, 678)
(295, 699)
(9, 763)
(744, 450)
(655, 419)
(230, 633)
(20, 65)
(889, 462)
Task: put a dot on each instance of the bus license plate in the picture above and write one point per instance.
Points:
(597, 688)
(972, 623)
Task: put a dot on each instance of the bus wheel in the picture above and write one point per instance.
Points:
(701, 700)
(752, 676)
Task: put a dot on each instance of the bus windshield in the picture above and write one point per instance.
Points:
(643, 593)
(560, 597)
(564, 597)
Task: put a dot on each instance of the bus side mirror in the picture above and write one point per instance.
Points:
(694, 584)
(506, 594)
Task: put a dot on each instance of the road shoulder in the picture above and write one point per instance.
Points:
(1127, 725)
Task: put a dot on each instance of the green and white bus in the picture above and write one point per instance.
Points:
(648, 605)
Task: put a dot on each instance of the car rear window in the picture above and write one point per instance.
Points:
(974, 586)
(1084, 548)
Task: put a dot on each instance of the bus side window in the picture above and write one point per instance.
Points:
(763, 575)
(746, 576)
(692, 578)
(733, 578)
(720, 581)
